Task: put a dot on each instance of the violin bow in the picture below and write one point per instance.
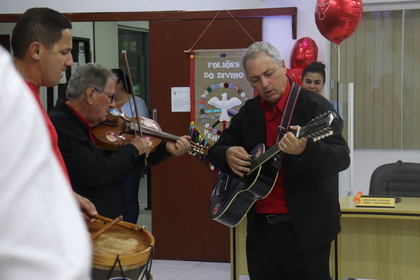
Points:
(123, 56)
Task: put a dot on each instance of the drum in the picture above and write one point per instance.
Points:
(121, 252)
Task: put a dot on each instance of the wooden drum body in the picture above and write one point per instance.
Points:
(121, 253)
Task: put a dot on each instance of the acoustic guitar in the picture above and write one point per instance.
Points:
(233, 196)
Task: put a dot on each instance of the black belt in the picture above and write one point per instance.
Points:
(274, 218)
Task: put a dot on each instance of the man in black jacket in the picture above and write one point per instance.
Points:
(290, 231)
(93, 172)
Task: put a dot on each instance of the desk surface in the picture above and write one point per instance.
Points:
(408, 207)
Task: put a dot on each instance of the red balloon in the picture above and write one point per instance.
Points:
(295, 75)
(304, 52)
(338, 19)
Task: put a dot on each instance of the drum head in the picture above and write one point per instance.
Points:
(120, 251)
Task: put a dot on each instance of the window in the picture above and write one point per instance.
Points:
(382, 59)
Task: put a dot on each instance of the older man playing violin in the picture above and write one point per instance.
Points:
(94, 172)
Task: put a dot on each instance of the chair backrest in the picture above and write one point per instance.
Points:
(400, 179)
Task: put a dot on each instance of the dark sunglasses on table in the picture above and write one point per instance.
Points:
(111, 95)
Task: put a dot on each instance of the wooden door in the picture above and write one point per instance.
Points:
(181, 186)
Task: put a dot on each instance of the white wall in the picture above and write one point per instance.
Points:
(106, 39)
(103, 34)
(84, 30)
(275, 29)
(6, 28)
(19, 6)
(366, 161)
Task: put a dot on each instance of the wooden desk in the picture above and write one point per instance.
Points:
(238, 266)
(379, 243)
(374, 243)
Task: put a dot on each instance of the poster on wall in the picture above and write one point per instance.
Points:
(218, 88)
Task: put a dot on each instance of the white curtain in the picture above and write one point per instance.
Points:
(382, 59)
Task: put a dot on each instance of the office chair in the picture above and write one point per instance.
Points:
(397, 179)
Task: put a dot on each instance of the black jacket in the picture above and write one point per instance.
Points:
(311, 179)
(94, 173)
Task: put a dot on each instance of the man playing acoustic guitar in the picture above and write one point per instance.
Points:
(290, 230)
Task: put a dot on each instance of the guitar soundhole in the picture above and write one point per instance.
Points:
(221, 186)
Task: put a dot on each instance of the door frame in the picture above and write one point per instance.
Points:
(176, 15)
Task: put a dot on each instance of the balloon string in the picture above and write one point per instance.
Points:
(212, 22)
(339, 62)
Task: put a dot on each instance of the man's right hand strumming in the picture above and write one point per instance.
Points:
(238, 160)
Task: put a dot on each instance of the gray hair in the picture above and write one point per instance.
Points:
(261, 47)
(88, 75)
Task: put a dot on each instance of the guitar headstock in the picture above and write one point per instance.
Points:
(196, 148)
(320, 127)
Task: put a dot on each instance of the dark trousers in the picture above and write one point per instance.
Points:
(272, 255)
(129, 185)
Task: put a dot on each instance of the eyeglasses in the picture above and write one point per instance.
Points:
(111, 95)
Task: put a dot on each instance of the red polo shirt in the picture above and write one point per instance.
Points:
(275, 202)
(51, 129)
(83, 119)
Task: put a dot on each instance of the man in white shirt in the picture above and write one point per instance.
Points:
(42, 232)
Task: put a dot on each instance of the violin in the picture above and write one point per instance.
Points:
(118, 130)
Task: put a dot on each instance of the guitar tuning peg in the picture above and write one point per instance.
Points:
(192, 152)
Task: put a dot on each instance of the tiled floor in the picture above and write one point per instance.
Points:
(183, 270)
(187, 270)
(174, 269)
